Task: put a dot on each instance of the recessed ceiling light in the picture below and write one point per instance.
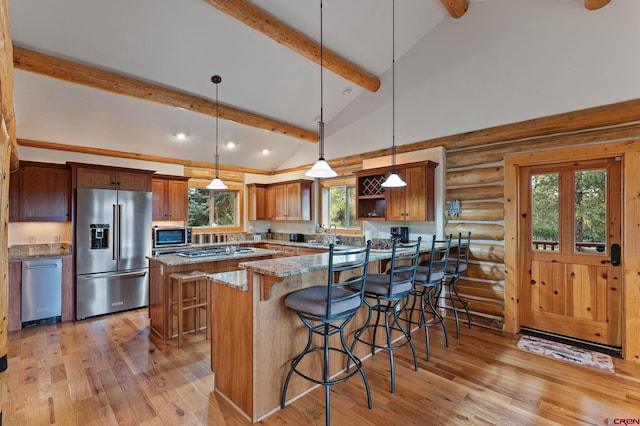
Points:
(230, 144)
(346, 91)
(265, 151)
(181, 136)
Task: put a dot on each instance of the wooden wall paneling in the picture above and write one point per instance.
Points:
(493, 290)
(496, 152)
(511, 293)
(477, 176)
(488, 192)
(478, 211)
(487, 252)
(486, 271)
(68, 290)
(631, 258)
(14, 313)
(480, 231)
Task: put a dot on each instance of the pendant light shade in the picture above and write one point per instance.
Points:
(393, 181)
(216, 183)
(321, 168)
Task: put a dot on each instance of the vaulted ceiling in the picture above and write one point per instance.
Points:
(129, 76)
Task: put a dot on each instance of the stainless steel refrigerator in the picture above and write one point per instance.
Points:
(113, 240)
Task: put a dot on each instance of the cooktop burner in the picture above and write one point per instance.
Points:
(214, 252)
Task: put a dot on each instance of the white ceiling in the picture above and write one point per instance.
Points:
(181, 44)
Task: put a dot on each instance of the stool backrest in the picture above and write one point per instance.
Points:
(439, 257)
(462, 253)
(346, 268)
(404, 261)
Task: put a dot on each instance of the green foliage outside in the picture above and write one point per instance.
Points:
(204, 212)
(589, 211)
(342, 206)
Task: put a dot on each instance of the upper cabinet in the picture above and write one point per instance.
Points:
(281, 201)
(411, 203)
(170, 197)
(257, 201)
(111, 178)
(40, 192)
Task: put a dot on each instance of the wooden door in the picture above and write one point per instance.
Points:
(396, 200)
(280, 197)
(178, 199)
(570, 220)
(293, 201)
(416, 195)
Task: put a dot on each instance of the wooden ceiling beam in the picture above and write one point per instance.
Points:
(595, 4)
(261, 21)
(73, 72)
(457, 8)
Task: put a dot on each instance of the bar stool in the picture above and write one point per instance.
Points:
(325, 310)
(389, 294)
(196, 279)
(453, 273)
(428, 284)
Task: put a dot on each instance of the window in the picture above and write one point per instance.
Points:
(213, 208)
(339, 204)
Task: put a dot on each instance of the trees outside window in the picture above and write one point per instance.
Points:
(213, 208)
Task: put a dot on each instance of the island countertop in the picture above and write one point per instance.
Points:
(176, 259)
(287, 266)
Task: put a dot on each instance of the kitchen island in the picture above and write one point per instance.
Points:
(254, 336)
(163, 322)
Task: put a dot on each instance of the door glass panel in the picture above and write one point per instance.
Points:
(545, 212)
(590, 212)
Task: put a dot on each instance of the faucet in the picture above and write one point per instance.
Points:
(335, 232)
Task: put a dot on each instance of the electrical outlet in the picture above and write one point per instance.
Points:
(56, 238)
(32, 239)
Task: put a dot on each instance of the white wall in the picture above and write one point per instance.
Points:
(504, 61)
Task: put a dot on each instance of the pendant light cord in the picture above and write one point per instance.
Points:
(393, 87)
(217, 156)
(321, 124)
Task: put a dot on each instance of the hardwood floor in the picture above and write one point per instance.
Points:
(109, 371)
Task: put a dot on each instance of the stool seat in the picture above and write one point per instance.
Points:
(196, 279)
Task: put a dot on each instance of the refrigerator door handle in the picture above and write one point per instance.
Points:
(113, 233)
(124, 274)
(119, 229)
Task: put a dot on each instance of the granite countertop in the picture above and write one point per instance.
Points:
(236, 279)
(296, 265)
(30, 251)
(176, 259)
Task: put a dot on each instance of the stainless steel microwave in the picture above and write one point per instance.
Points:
(171, 236)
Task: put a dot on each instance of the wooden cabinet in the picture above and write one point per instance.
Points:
(282, 201)
(170, 197)
(257, 201)
(411, 203)
(371, 198)
(100, 177)
(40, 192)
(293, 200)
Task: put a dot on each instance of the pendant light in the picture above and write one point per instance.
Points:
(394, 180)
(216, 183)
(321, 168)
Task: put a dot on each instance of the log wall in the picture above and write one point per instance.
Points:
(475, 178)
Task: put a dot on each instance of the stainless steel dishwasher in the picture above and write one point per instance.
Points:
(41, 291)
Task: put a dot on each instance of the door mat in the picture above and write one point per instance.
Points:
(567, 353)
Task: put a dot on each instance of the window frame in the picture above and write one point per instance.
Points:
(238, 187)
(323, 197)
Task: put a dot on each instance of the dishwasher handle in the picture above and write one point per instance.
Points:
(48, 265)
